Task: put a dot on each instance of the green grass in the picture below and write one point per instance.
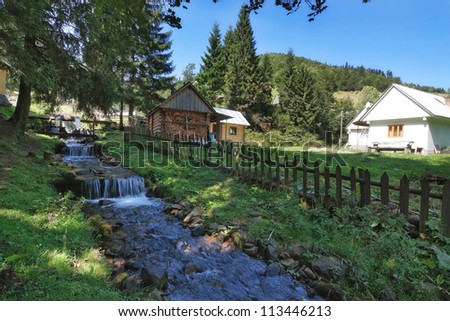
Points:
(44, 237)
(375, 242)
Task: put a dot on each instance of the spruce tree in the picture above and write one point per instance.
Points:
(211, 78)
(302, 100)
(261, 110)
(242, 63)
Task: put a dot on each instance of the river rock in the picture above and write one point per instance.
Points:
(329, 291)
(105, 202)
(155, 295)
(197, 231)
(387, 295)
(175, 207)
(288, 262)
(255, 214)
(119, 278)
(251, 251)
(188, 218)
(328, 266)
(271, 252)
(198, 212)
(132, 265)
(131, 285)
(414, 220)
(186, 205)
(273, 270)
(153, 275)
(432, 289)
(221, 228)
(309, 273)
(192, 269)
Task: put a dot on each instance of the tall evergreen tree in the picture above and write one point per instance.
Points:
(211, 78)
(302, 99)
(242, 63)
(261, 110)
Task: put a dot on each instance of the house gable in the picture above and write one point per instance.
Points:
(189, 99)
(395, 105)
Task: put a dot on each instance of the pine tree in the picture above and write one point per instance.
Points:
(211, 78)
(261, 110)
(302, 100)
(242, 63)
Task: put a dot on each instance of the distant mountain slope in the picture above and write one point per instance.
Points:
(347, 77)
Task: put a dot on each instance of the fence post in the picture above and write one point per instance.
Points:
(353, 180)
(255, 164)
(338, 186)
(317, 179)
(445, 213)
(236, 163)
(295, 169)
(364, 187)
(384, 189)
(305, 179)
(424, 204)
(269, 169)
(263, 164)
(326, 175)
(286, 172)
(277, 171)
(404, 195)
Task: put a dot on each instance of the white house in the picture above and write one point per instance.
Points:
(403, 116)
(358, 131)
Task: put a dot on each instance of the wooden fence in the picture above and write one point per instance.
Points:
(318, 181)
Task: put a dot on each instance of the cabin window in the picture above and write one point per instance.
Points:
(233, 130)
(395, 131)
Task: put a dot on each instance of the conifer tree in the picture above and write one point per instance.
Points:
(302, 100)
(211, 78)
(242, 63)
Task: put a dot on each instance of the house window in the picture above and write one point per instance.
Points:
(233, 130)
(395, 131)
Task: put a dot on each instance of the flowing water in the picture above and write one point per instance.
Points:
(146, 236)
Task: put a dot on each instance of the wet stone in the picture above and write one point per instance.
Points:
(193, 268)
(197, 231)
(273, 270)
(155, 276)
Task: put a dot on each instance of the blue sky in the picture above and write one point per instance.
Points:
(409, 37)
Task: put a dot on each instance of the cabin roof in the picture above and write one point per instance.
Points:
(233, 116)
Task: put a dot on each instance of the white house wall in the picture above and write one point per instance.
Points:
(439, 130)
(395, 105)
(414, 130)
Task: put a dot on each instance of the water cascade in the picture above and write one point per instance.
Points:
(79, 150)
(112, 187)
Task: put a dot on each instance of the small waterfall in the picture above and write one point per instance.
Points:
(79, 150)
(113, 187)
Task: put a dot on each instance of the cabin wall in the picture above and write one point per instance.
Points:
(2, 81)
(439, 133)
(226, 135)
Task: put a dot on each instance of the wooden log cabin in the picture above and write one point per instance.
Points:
(187, 115)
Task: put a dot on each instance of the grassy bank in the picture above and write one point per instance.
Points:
(383, 258)
(47, 249)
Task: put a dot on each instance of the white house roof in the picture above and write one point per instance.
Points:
(434, 105)
(234, 117)
(429, 105)
(359, 117)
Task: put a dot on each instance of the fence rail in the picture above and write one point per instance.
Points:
(261, 167)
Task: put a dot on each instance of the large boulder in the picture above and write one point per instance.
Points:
(329, 291)
(330, 266)
(155, 276)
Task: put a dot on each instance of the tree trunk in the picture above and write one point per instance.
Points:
(20, 116)
(130, 112)
(121, 116)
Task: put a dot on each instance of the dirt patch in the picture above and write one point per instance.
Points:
(9, 279)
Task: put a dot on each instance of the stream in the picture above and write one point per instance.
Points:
(145, 238)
